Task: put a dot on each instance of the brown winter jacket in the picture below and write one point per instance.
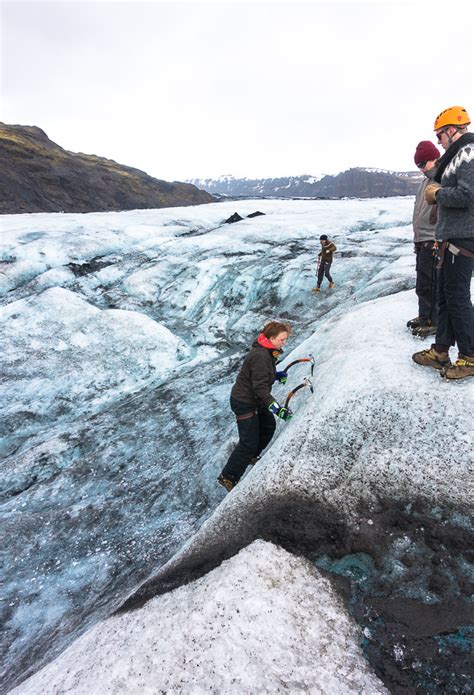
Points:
(326, 252)
(256, 377)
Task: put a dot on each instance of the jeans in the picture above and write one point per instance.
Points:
(256, 428)
(324, 269)
(456, 314)
(426, 282)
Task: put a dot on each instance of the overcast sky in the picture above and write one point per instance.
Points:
(193, 89)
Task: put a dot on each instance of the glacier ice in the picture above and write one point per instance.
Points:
(118, 418)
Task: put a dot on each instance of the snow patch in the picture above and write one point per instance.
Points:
(264, 621)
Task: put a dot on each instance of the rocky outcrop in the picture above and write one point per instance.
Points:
(37, 175)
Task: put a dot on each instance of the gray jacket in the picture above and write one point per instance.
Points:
(424, 215)
(456, 197)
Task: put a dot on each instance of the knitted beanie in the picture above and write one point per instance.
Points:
(426, 152)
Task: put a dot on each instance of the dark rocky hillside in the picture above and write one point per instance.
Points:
(353, 183)
(36, 175)
(368, 183)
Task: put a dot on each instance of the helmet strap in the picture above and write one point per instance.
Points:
(450, 137)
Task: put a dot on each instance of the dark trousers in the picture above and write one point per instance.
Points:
(324, 269)
(426, 282)
(256, 427)
(456, 314)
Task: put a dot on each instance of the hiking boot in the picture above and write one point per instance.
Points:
(331, 285)
(254, 460)
(423, 331)
(432, 358)
(225, 482)
(464, 366)
(315, 290)
(414, 323)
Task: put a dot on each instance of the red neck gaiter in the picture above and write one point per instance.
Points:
(265, 342)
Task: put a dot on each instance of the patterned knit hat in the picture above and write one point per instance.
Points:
(426, 152)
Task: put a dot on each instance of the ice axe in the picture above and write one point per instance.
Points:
(304, 383)
(310, 358)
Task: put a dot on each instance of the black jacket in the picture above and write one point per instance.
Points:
(256, 377)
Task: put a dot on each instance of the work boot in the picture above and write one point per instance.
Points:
(432, 358)
(464, 366)
(225, 482)
(331, 285)
(423, 331)
(315, 290)
(414, 323)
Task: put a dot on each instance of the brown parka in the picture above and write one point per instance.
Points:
(327, 251)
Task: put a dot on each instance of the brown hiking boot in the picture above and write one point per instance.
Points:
(424, 331)
(414, 323)
(464, 366)
(225, 482)
(331, 285)
(432, 358)
(315, 289)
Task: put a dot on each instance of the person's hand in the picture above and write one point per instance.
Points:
(280, 411)
(431, 192)
(282, 377)
(285, 414)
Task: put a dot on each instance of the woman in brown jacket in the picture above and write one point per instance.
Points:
(252, 402)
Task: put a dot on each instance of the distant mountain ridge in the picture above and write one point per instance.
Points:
(37, 175)
(357, 182)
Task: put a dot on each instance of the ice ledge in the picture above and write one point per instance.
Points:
(379, 432)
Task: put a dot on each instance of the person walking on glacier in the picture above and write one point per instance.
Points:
(424, 223)
(252, 401)
(453, 192)
(325, 257)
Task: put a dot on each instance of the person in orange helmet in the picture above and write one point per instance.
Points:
(453, 192)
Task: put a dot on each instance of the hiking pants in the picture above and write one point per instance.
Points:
(324, 268)
(456, 314)
(256, 426)
(426, 282)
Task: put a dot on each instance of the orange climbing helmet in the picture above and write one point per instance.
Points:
(455, 115)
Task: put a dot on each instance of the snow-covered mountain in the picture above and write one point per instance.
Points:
(358, 182)
(121, 336)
